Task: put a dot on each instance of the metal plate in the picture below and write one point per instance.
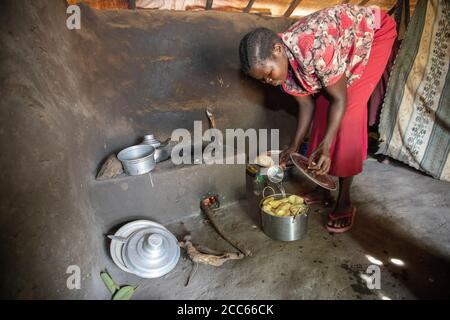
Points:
(301, 162)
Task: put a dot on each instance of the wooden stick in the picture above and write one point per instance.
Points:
(209, 4)
(292, 7)
(213, 260)
(391, 11)
(249, 6)
(363, 3)
(209, 214)
(192, 274)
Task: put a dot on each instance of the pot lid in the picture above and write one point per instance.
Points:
(151, 252)
(146, 249)
(301, 163)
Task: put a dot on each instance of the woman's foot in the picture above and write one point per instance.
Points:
(341, 219)
(318, 196)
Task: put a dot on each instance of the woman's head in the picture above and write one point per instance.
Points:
(262, 56)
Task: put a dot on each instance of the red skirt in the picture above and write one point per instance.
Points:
(349, 148)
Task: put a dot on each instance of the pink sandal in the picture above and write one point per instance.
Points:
(334, 217)
(310, 200)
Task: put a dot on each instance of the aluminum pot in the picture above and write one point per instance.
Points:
(137, 160)
(144, 248)
(163, 150)
(284, 228)
(151, 140)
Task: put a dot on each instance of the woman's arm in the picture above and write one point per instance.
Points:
(336, 111)
(305, 114)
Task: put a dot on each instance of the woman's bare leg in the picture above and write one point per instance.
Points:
(343, 204)
(319, 193)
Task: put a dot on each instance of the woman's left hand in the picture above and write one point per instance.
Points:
(320, 160)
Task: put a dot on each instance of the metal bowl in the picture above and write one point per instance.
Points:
(138, 159)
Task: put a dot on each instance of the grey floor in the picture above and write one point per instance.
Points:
(402, 214)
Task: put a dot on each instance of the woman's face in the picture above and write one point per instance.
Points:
(273, 71)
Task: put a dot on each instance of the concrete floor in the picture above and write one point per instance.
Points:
(402, 214)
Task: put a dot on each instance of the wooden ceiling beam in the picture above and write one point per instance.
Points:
(209, 4)
(249, 6)
(391, 11)
(363, 3)
(292, 7)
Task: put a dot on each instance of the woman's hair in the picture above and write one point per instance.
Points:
(255, 47)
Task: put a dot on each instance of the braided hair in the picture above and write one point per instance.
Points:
(255, 47)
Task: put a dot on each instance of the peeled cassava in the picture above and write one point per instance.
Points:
(288, 206)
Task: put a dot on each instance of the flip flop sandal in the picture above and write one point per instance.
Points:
(309, 200)
(334, 217)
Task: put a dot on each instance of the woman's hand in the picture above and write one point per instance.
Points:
(285, 156)
(320, 161)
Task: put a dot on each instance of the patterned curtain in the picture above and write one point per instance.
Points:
(415, 118)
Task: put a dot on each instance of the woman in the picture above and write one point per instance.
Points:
(330, 61)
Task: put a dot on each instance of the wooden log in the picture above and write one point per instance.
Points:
(292, 7)
(259, 11)
(208, 205)
(391, 11)
(209, 4)
(249, 6)
(103, 4)
(211, 259)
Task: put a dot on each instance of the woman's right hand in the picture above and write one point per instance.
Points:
(285, 156)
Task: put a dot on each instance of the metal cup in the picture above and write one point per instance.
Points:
(275, 174)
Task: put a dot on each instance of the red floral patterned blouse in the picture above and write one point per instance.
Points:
(326, 44)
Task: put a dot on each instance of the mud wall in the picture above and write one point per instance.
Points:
(71, 97)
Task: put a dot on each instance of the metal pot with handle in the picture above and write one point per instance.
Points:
(138, 159)
(283, 228)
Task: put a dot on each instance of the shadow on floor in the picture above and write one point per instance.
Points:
(425, 272)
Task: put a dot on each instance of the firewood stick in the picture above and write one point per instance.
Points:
(214, 260)
(219, 230)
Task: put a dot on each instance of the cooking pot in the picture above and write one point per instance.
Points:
(284, 228)
(138, 159)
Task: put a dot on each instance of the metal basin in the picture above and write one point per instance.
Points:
(138, 159)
